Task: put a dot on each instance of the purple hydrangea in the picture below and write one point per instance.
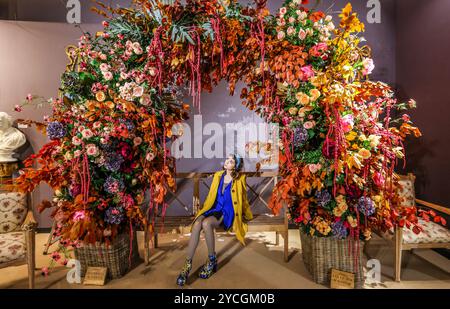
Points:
(323, 197)
(114, 215)
(113, 185)
(55, 130)
(366, 206)
(339, 230)
(300, 136)
(113, 161)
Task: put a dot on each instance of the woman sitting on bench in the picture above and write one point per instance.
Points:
(226, 205)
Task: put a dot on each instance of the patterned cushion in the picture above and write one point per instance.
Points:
(13, 209)
(432, 233)
(406, 191)
(12, 246)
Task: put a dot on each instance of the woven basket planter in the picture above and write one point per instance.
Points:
(115, 256)
(321, 254)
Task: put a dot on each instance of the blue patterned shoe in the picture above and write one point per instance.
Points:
(182, 277)
(209, 268)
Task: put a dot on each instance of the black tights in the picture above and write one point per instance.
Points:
(207, 224)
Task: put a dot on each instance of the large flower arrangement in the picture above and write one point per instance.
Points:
(341, 138)
(110, 127)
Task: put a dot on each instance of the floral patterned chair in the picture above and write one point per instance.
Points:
(17, 232)
(433, 234)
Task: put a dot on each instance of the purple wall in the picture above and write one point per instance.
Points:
(423, 73)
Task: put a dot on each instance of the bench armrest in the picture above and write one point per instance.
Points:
(434, 206)
(29, 223)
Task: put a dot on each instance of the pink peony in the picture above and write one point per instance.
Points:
(368, 66)
(347, 123)
(307, 72)
(79, 215)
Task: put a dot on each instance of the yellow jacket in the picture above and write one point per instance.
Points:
(240, 204)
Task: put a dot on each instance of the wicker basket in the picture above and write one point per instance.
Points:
(115, 256)
(321, 254)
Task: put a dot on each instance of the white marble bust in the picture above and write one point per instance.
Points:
(10, 139)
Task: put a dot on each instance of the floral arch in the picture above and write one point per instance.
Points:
(120, 99)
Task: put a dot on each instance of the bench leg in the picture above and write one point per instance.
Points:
(277, 238)
(146, 246)
(155, 240)
(398, 253)
(286, 246)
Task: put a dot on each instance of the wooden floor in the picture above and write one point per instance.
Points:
(258, 265)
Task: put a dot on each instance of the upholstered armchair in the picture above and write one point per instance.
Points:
(433, 235)
(17, 232)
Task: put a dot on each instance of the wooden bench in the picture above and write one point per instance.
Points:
(260, 222)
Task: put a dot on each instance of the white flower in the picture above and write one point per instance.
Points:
(280, 35)
(123, 75)
(152, 71)
(145, 99)
(150, 156)
(138, 91)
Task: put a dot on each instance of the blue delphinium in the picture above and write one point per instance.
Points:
(366, 206)
(300, 136)
(113, 161)
(55, 130)
(113, 185)
(339, 230)
(323, 197)
(114, 215)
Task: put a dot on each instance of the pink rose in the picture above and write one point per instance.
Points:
(137, 141)
(290, 31)
(283, 11)
(313, 168)
(92, 150)
(280, 35)
(309, 125)
(302, 34)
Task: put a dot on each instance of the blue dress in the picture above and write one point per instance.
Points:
(223, 206)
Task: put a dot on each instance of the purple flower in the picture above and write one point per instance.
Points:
(366, 206)
(113, 161)
(114, 215)
(323, 197)
(74, 190)
(300, 136)
(128, 124)
(339, 230)
(113, 185)
(56, 130)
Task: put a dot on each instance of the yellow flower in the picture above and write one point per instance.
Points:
(354, 161)
(364, 153)
(100, 96)
(302, 98)
(293, 111)
(351, 135)
(355, 147)
(352, 221)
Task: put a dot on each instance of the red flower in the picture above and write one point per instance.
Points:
(328, 148)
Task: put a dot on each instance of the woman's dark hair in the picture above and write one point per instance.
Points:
(238, 165)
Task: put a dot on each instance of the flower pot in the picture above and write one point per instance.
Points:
(115, 256)
(322, 254)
